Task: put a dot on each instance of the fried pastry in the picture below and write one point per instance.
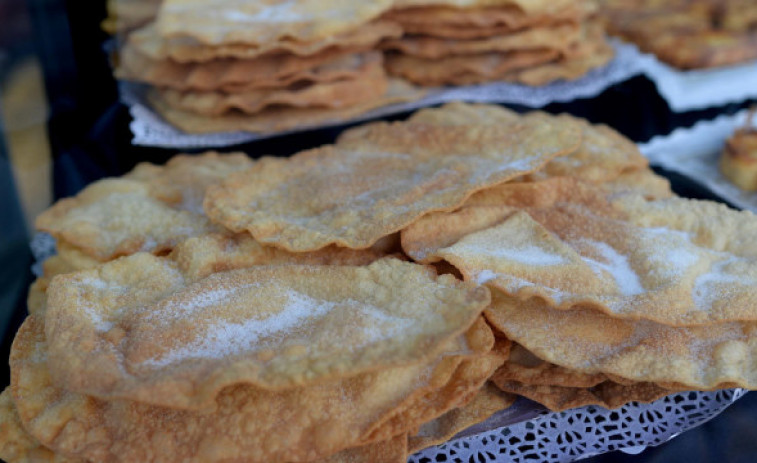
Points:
(366, 85)
(739, 159)
(151, 209)
(276, 327)
(293, 425)
(585, 340)
(276, 119)
(692, 34)
(389, 176)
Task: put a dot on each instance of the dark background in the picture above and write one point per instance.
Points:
(90, 139)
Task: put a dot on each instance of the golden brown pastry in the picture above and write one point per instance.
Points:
(739, 160)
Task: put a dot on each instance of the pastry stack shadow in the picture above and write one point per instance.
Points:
(279, 65)
(364, 300)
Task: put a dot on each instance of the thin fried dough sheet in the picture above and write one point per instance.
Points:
(531, 7)
(201, 256)
(466, 69)
(447, 21)
(115, 217)
(673, 261)
(468, 379)
(165, 339)
(379, 179)
(487, 401)
(366, 85)
(425, 239)
(604, 154)
(68, 260)
(152, 208)
(641, 182)
(276, 119)
(300, 424)
(149, 43)
(584, 57)
(392, 450)
(697, 358)
(234, 75)
(182, 181)
(555, 38)
(268, 21)
(525, 368)
(607, 395)
(18, 446)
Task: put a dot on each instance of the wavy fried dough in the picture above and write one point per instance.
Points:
(274, 70)
(486, 402)
(165, 339)
(182, 181)
(277, 119)
(149, 43)
(536, 66)
(688, 35)
(525, 368)
(552, 38)
(574, 65)
(152, 208)
(18, 446)
(527, 6)
(202, 256)
(696, 358)
(424, 239)
(365, 85)
(264, 22)
(607, 394)
(604, 154)
(294, 425)
(389, 175)
(115, 217)
(465, 69)
(485, 21)
(667, 260)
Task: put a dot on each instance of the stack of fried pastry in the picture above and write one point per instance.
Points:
(366, 299)
(687, 34)
(457, 43)
(262, 66)
(269, 66)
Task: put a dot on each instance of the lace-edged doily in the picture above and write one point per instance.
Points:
(585, 432)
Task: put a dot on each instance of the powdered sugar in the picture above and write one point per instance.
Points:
(224, 338)
(616, 264)
(526, 255)
(709, 287)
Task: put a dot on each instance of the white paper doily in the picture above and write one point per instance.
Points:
(699, 89)
(694, 152)
(151, 130)
(583, 432)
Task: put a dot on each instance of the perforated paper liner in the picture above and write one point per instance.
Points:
(579, 433)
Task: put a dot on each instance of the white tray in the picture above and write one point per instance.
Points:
(695, 151)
